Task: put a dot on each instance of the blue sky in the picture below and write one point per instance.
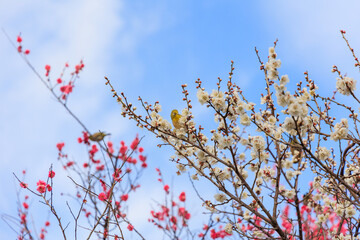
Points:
(148, 48)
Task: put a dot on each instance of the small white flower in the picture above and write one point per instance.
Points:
(220, 197)
(194, 177)
(242, 156)
(272, 120)
(236, 129)
(259, 181)
(247, 215)
(290, 193)
(271, 51)
(202, 96)
(289, 174)
(249, 106)
(245, 120)
(284, 79)
(287, 164)
(157, 107)
(350, 211)
(244, 195)
(258, 143)
(317, 197)
(228, 228)
(244, 141)
(181, 167)
(244, 174)
(346, 85)
(297, 110)
(323, 153)
(321, 219)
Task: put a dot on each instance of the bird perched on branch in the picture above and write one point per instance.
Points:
(175, 117)
(98, 136)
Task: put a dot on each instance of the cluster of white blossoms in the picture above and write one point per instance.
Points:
(258, 148)
(296, 105)
(242, 165)
(258, 143)
(283, 97)
(158, 121)
(347, 208)
(343, 208)
(290, 174)
(340, 130)
(221, 174)
(272, 65)
(351, 174)
(341, 236)
(345, 85)
(218, 100)
(224, 142)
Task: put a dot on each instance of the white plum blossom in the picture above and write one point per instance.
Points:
(321, 218)
(158, 121)
(220, 174)
(259, 181)
(244, 195)
(322, 153)
(240, 107)
(284, 79)
(289, 126)
(201, 155)
(290, 193)
(298, 108)
(236, 129)
(290, 174)
(181, 167)
(305, 95)
(287, 164)
(245, 120)
(243, 173)
(249, 106)
(157, 107)
(225, 142)
(339, 211)
(284, 97)
(247, 215)
(242, 156)
(345, 85)
(202, 96)
(228, 228)
(258, 143)
(244, 141)
(218, 100)
(272, 120)
(194, 177)
(350, 211)
(253, 167)
(220, 197)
